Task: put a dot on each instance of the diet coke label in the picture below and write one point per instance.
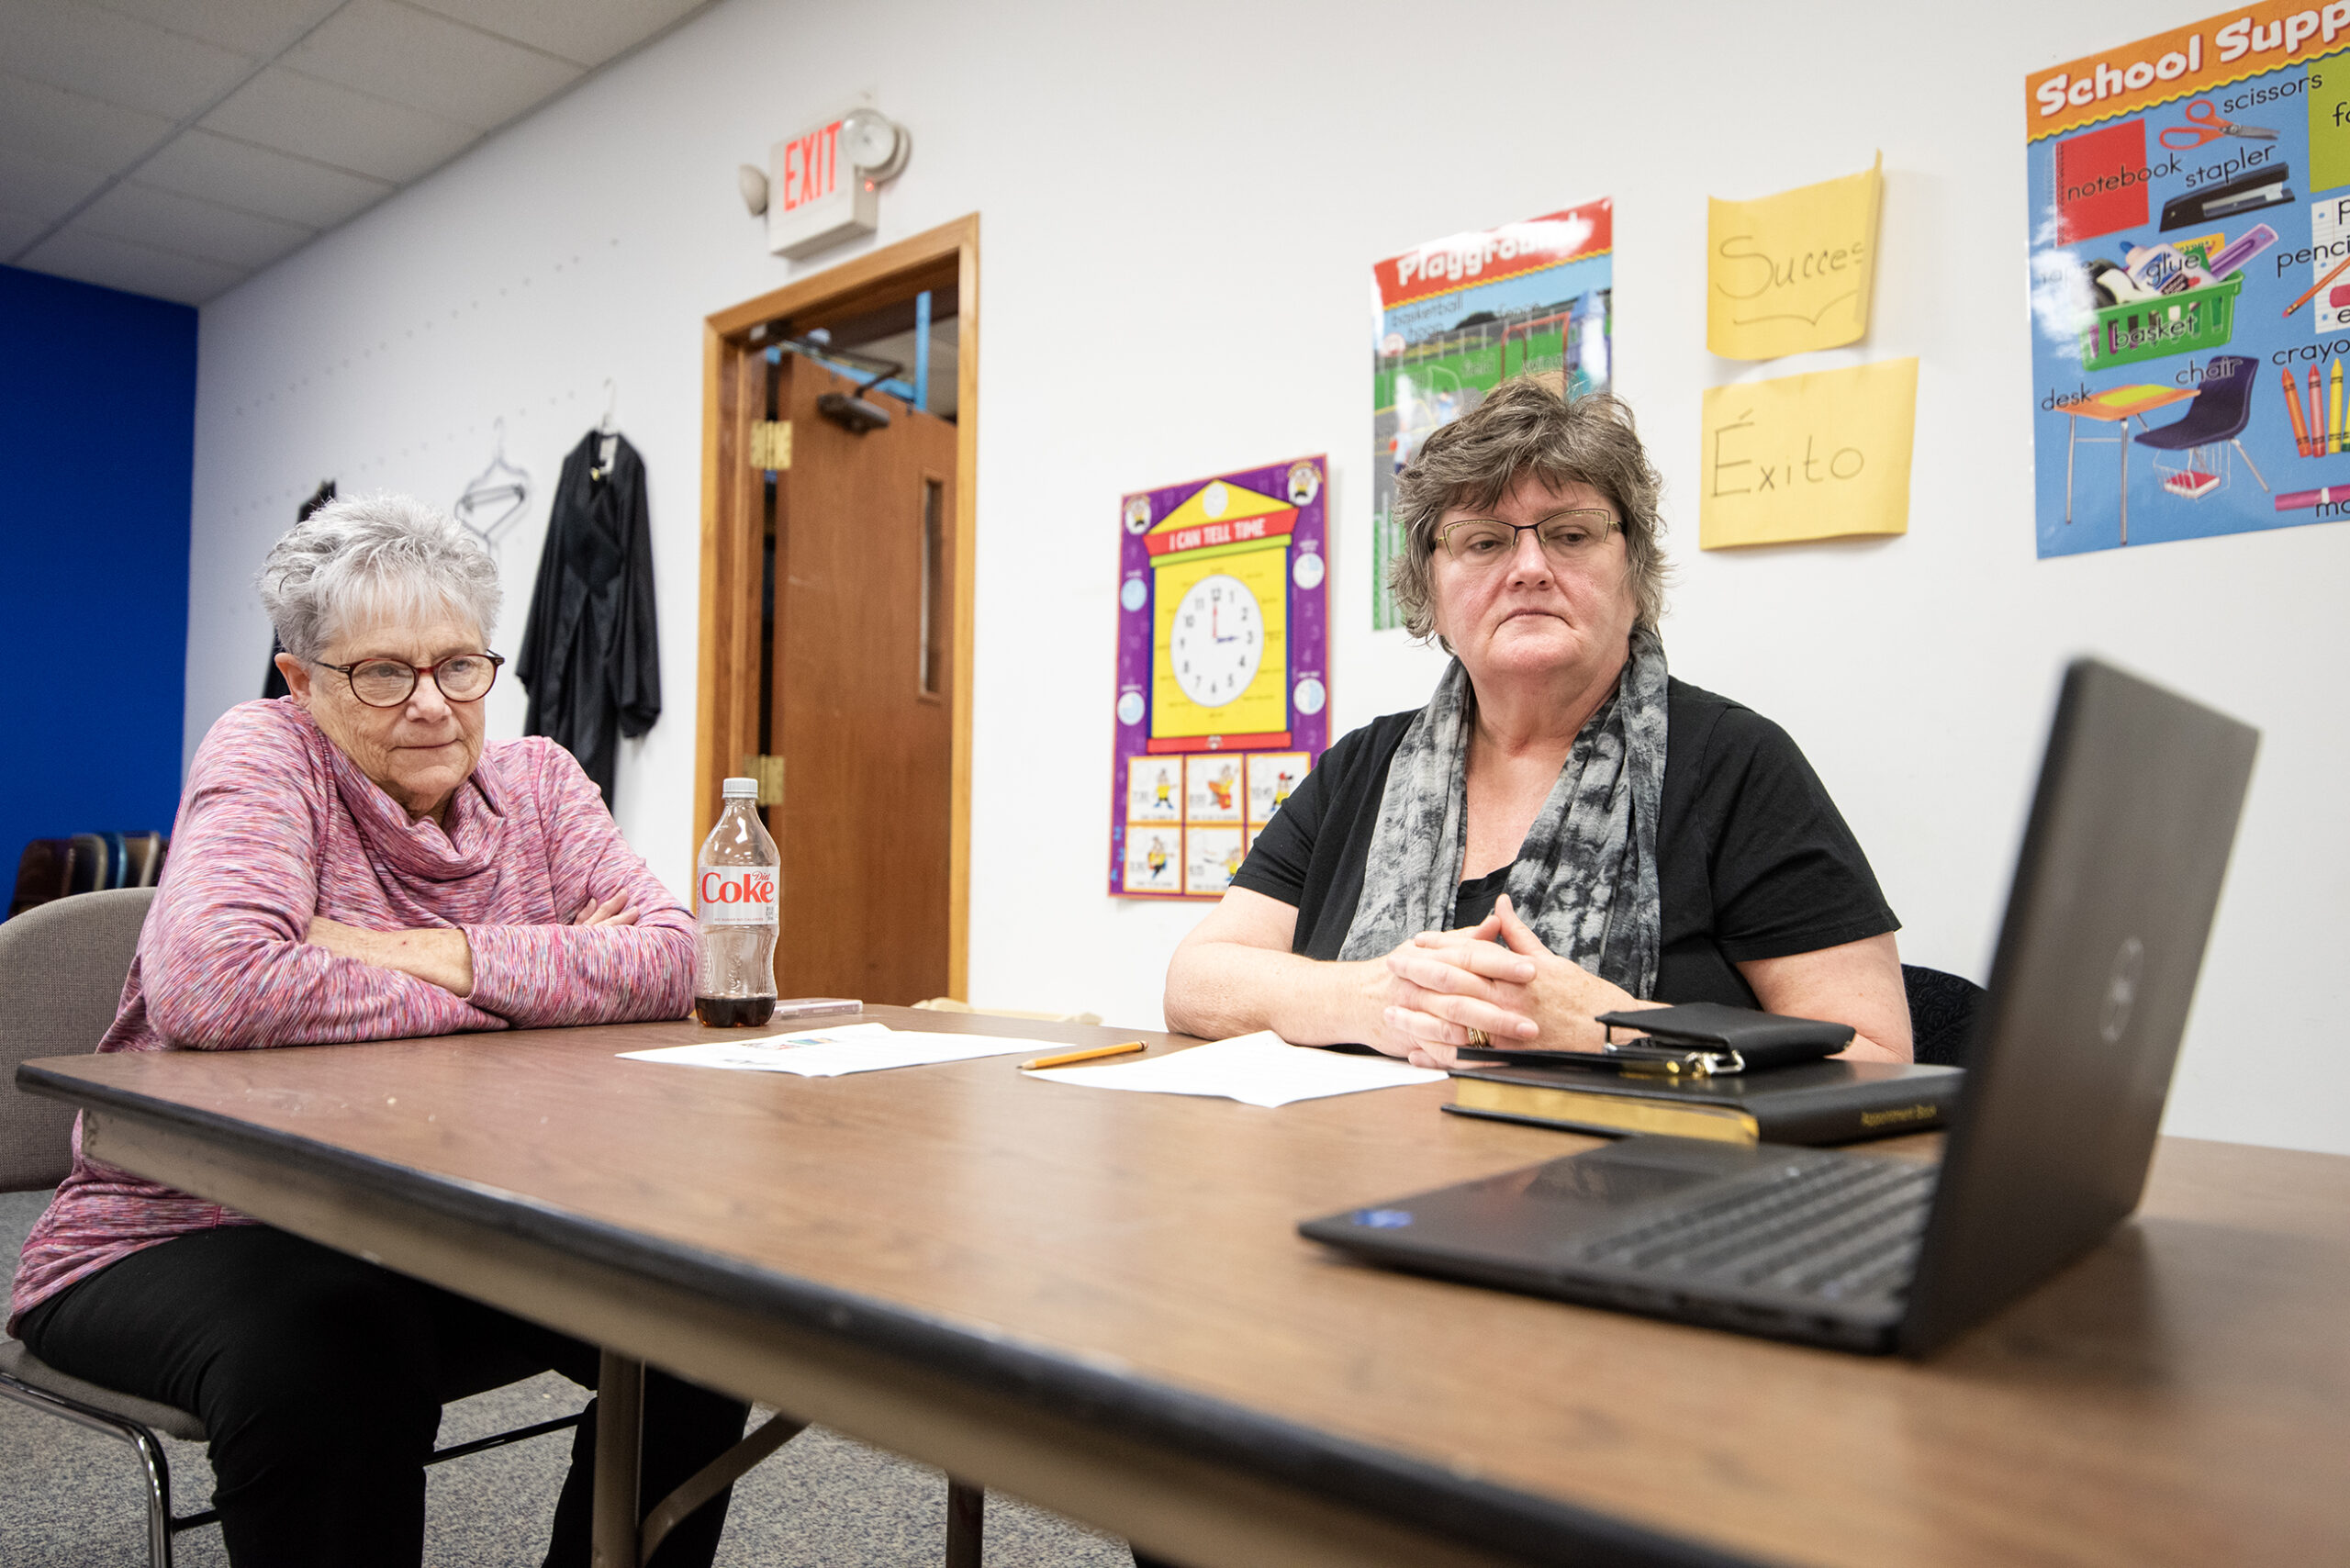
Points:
(737, 895)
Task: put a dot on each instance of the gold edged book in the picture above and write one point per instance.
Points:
(1810, 1102)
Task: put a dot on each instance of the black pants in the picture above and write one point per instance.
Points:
(320, 1380)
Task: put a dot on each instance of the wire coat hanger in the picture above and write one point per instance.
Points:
(496, 497)
(612, 437)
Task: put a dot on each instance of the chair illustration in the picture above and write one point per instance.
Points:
(61, 968)
(2223, 407)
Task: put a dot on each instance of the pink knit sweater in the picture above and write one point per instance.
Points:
(277, 826)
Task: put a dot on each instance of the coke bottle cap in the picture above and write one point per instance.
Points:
(734, 787)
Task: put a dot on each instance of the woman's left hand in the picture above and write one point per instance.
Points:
(1455, 980)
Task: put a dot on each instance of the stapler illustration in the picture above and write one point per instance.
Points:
(2245, 193)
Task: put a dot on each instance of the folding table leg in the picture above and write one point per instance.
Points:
(620, 1431)
(965, 1523)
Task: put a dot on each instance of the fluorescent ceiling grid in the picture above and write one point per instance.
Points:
(177, 147)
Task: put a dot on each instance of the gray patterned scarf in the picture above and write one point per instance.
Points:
(1586, 874)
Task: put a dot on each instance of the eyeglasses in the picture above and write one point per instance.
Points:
(1569, 539)
(388, 683)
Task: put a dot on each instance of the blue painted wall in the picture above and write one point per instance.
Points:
(97, 451)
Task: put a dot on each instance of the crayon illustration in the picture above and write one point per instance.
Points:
(2293, 408)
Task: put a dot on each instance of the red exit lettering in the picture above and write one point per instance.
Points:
(811, 166)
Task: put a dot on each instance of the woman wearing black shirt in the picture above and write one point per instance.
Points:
(1564, 830)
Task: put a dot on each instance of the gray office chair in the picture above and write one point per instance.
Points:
(62, 970)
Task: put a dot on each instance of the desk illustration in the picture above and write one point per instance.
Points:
(1097, 1302)
(2115, 405)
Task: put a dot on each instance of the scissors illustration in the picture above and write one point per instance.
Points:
(2207, 126)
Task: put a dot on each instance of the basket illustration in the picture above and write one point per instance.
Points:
(2189, 322)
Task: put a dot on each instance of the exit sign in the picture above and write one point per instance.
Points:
(816, 195)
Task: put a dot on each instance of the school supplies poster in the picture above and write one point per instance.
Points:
(1223, 694)
(1455, 317)
(2190, 281)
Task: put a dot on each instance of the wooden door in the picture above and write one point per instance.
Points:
(861, 679)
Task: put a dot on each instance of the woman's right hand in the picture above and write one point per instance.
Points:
(613, 910)
(1429, 971)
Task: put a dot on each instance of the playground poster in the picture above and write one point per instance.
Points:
(2190, 281)
(1453, 318)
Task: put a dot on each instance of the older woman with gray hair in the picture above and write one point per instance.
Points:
(354, 862)
(1564, 830)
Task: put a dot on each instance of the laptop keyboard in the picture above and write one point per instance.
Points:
(1839, 1229)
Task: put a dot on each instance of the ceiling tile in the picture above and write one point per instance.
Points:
(588, 32)
(141, 269)
(52, 123)
(17, 230)
(116, 58)
(173, 222)
(257, 28)
(220, 169)
(298, 114)
(429, 63)
(43, 188)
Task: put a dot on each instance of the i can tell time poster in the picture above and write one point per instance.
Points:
(2191, 281)
(1222, 693)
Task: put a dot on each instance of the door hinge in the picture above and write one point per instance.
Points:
(768, 771)
(771, 445)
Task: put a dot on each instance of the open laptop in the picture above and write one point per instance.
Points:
(2114, 891)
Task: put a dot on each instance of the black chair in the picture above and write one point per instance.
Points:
(2223, 407)
(61, 968)
(1942, 1010)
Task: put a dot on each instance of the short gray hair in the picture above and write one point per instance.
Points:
(1524, 430)
(380, 555)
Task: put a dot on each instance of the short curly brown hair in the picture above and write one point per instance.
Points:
(1524, 430)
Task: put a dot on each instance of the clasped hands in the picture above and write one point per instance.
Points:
(1495, 976)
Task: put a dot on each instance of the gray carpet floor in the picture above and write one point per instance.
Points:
(73, 1499)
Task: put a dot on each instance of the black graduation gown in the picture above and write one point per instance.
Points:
(589, 658)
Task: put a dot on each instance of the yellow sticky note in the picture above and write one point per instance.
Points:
(1791, 271)
(1809, 456)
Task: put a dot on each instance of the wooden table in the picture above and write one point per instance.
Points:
(1098, 1302)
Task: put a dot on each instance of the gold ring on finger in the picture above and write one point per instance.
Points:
(1480, 1038)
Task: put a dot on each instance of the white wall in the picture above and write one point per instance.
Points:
(1178, 209)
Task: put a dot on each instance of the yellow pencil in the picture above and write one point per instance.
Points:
(1070, 1057)
(2333, 414)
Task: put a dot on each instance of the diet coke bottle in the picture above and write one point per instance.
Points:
(735, 888)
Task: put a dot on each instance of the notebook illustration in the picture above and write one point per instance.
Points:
(2091, 195)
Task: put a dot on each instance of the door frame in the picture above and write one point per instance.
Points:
(727, 699)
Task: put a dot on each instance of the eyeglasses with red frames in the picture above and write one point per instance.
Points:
(388, 683)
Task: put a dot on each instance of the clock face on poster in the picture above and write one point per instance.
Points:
(1217, 641)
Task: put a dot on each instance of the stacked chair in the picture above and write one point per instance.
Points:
(53, 869)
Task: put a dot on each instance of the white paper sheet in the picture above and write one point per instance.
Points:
(846, 1047)
(1256, 1069)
